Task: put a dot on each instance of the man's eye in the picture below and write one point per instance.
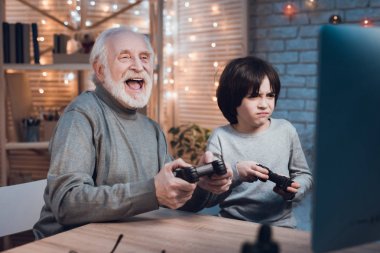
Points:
(145, 57)
(126, 56)
(271, 95)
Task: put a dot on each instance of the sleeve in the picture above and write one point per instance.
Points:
(73, 194)
(202, 198)
(298, 167)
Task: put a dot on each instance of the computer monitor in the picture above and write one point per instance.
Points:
(346, 199)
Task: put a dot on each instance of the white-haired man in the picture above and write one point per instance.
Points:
(107, 160)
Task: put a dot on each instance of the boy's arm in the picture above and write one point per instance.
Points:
(298, 168)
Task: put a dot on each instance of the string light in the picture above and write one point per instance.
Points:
(289, 10)
(335, 19)
(215, 9)
(311, 4)
(366, 22)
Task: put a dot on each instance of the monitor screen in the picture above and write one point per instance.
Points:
(346, 199)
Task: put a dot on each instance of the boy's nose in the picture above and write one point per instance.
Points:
(263, 102)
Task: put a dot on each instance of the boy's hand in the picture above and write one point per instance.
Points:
(290, 191)
(249, 171)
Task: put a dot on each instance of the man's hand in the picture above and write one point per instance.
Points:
(215, 184)
(172, 192)
(249, 171)
(290, 191)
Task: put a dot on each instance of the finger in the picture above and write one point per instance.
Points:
(219, 182)
(260, 169)
(291, 189)
(295, 185)
(178, 163)
(261, 176)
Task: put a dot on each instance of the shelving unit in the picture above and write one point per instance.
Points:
(27, 149)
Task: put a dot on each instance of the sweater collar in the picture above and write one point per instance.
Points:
(108, 99)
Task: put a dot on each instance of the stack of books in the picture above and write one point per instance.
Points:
(17, 41)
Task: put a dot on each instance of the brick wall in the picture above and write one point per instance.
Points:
(291, 45)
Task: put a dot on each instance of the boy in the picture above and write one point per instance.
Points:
(247, 95)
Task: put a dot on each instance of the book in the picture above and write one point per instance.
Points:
(6, 43)
(19, 43)
(57, 44)
(36, 47)
(26, 43)
(12, 43)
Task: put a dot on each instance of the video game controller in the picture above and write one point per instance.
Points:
(192, 174)
(281, 182)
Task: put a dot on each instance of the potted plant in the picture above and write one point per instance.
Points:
(189, 141)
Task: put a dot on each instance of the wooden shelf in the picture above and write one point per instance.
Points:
(60, 66)
(26, 145)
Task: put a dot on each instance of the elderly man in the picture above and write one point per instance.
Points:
(108, 161)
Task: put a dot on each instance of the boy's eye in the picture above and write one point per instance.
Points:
(271, 95)
(255, 95)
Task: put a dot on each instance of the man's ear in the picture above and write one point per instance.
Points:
(99, 70)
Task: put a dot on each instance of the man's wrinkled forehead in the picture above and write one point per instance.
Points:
(126, 40)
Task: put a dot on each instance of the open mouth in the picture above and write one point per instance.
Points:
(135, 83)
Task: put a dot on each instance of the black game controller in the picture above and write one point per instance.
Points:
(192, 174)
(281, 182)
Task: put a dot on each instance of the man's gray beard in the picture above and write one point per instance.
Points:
(117, 90)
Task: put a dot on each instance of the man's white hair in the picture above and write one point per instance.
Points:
(99, 51)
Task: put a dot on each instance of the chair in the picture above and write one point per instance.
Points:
(20, 206)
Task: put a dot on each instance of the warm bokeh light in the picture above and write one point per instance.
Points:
(289, 10)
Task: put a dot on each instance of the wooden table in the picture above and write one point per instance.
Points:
(174, 232)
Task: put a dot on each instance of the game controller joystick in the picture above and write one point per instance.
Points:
(281, 182)
(192, 174)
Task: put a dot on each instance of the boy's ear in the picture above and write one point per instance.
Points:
(98, 70)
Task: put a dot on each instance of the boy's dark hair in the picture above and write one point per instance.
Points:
(241, 77)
